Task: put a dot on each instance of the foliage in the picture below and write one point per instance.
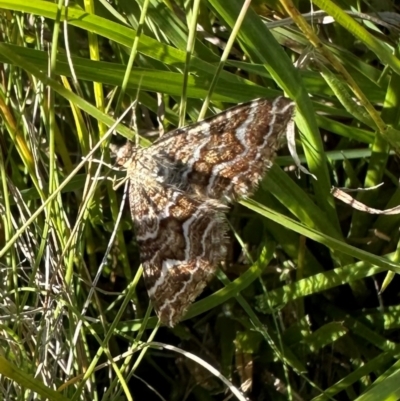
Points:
(298, 312)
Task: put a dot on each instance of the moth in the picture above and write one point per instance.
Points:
(179, 190)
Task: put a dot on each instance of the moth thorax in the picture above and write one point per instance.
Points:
(168, 171)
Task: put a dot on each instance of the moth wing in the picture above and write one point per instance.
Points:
(182, 240)
(225, 156)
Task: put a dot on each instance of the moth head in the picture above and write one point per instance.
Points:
(124, 154)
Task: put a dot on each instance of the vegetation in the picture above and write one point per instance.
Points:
(298, 312)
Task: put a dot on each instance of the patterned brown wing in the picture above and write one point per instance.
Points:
(182, 239)
(225, 157)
